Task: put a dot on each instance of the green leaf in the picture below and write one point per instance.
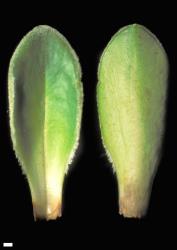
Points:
(45, 106)
(131, 98)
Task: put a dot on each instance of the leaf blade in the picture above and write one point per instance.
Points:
(40, 128)
(131, 97)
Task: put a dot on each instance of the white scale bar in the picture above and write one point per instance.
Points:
(7, 244)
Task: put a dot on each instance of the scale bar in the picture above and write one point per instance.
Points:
(7, 244)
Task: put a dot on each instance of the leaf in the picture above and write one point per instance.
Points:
(131, 98)
(45, 106)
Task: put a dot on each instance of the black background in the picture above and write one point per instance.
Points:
(90, 207)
